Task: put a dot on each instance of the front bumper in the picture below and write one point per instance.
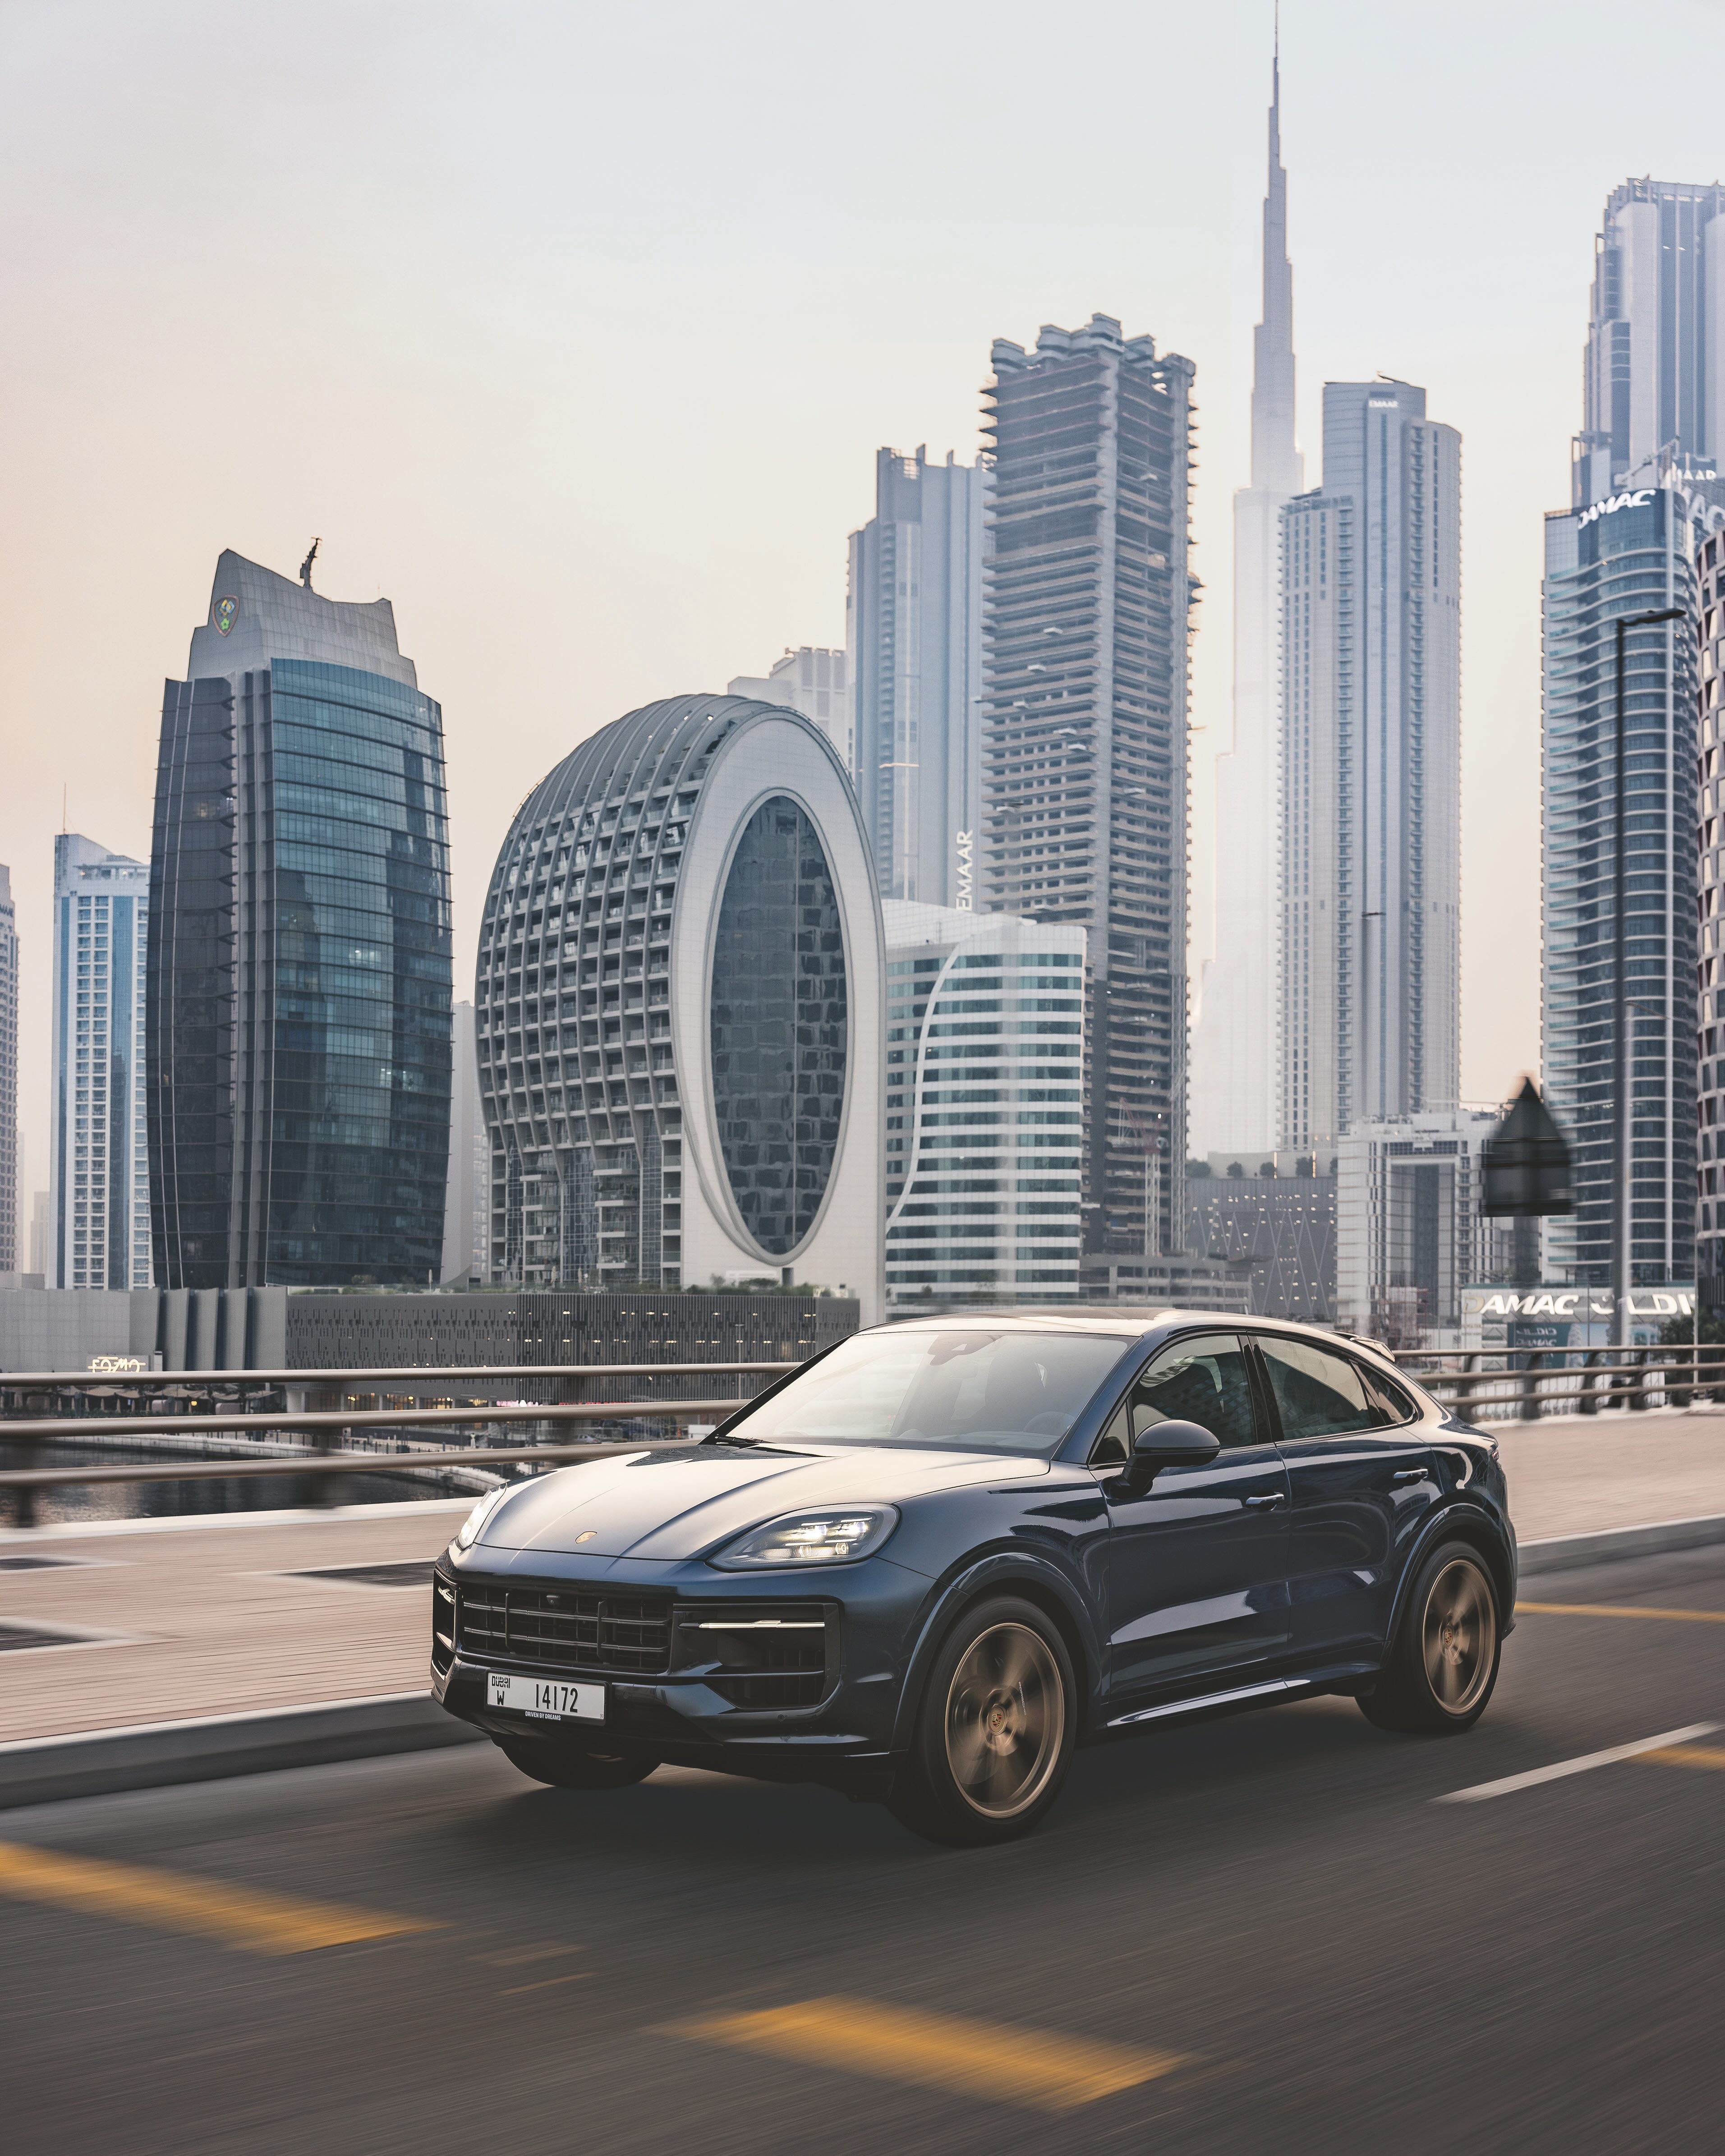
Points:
(704, 1707)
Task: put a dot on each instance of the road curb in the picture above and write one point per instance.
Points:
(41, 1770)
(1563, 1552)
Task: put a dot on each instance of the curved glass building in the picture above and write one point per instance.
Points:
(678, 1011)
(298, 1030)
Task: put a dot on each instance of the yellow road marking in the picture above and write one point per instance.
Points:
(545, 1984)
(939, 2051)
(513, 1957)
(1687, 1755)
(236, 1916)
(1615, 1609)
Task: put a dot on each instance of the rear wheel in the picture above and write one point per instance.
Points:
(994, 1730)
(562, 1767)
(1443, 1664)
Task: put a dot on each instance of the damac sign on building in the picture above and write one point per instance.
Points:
(1613, 503)
(1583, 1303)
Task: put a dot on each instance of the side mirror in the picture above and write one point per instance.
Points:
(1170, 1445)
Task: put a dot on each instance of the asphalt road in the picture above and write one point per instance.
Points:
(1262, 1934)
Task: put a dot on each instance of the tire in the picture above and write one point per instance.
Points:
(994, 1729)
(562, 1767)
(1443, 1667)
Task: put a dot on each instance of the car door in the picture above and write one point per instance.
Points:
(1360, 1464)
(1197, 1562)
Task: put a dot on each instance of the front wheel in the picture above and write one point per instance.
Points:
(994, 1730)
(562, 1767)
(1444, 1664)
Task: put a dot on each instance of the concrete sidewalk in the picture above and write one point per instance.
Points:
(128, 1626)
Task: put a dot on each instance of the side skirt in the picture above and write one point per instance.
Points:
(1270, 1693)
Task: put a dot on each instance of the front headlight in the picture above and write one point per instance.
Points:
(467, 1534)
(840, 1536)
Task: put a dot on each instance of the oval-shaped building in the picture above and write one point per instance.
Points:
(678, 1010)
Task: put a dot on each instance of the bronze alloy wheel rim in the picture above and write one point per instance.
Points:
(1006, 1719)
(1459, 1637)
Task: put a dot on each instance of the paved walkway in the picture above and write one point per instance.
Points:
(213, 1616)
(176, 1619)
(1581, 1475)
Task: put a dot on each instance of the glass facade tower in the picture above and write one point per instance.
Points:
(1629, 554)
(99, 1179)
(1087, 601)
(299, 978)
(1370, 869)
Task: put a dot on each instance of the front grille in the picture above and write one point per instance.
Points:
(775, 1656)
(569, 1627)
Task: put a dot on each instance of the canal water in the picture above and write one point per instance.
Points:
(156, 1500)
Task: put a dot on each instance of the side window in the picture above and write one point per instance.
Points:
(1204, 1380)
(1318, 1394)
(1397, 1404)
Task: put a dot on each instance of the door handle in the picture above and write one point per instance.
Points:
(1263, 1504)
(1409, 1474)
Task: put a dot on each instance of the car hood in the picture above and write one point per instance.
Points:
(670, 1505)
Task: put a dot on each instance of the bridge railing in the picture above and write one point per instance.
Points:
(1524, 1384)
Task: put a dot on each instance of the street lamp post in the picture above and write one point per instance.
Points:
(1622, 1208)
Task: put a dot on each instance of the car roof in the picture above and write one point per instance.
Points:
(1129, 1322)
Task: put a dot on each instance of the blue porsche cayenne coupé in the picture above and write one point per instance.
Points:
(932, 1561)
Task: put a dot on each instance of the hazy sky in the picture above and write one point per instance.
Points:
(574, 329)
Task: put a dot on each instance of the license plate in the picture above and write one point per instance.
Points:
(545, 1697)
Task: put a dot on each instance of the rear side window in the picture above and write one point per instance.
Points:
(1318, 1394)
(1396, 1403)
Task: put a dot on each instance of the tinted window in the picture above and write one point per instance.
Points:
(1397, 1404)
(1319, 1394)
(1202, 1380)
(1009, 1392)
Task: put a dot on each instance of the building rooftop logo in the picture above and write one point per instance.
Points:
(1636, 498)
(227, 610)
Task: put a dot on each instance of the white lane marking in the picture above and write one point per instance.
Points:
(1556, 1773)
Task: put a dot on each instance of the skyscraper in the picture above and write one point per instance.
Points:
(913, 631)
(1370, 780)
(1647, 507)
(1234, 1106)
(1087, 602)
(1654, 384)
(8, 1077)
(97, 1168)
(1632, 553)
(298, 1054)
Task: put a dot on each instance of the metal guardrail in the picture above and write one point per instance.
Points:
(1527, 1382)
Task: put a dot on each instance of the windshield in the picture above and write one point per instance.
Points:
(998, 1392)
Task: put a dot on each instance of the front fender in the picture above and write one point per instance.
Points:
(1000, 1572)
(1478, 1524)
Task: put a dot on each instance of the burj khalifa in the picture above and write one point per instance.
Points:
(1232, 1104)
